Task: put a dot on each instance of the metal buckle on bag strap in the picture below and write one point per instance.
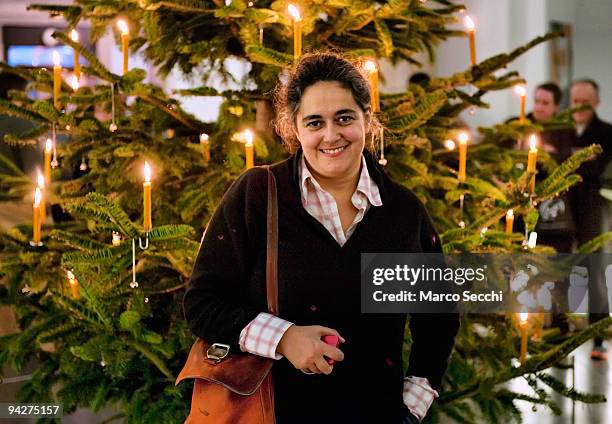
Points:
(217, 352)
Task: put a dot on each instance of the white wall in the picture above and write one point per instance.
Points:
(593, 48)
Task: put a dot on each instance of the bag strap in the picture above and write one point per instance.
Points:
(272, 246)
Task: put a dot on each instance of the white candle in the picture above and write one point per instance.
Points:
(463, 139)
(205, 147)
(146, 188)
(509, 221)
(74, 35)
(471, 29)
(523, 316)
(125, 41)
(372, 69)
(522, 92)
(248, 148)
(297, 31)
(57, 79)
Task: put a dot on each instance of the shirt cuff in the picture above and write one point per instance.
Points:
(418, 396)
(262, 335)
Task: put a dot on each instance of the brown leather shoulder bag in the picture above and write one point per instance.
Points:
(236, 387)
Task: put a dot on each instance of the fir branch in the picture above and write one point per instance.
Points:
(165, 232)
(156, 360)
(426, 108)
(76, 241)
(170, 5)
(27, 138)
(569, 392)
(568, 166)
(268, 56)
(20, 112)
(115, 213)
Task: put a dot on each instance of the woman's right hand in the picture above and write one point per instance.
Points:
(303, 347)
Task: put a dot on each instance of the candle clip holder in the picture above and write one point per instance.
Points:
(146, 242)
(54, 161)
(134, 283)
(36, 244)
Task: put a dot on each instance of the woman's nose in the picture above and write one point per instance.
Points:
(331, 133)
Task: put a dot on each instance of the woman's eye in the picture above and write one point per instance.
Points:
(313, 124)
(345, 119)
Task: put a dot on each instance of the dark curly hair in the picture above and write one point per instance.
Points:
(312, 68)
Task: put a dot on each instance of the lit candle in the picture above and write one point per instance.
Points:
(449, 144)
(523, 329)
(297, 31)
(41, 185)
(248, 149)
(372, 69)
(205, 147)
(74, 35)
(532, 159)
(463, 139)
(116, 238)
(509, 221)
(533, 239)
(146, 186)
(471, 29)
(73, 283)
(48, 151)
(125, 41)
(57, 79)
(74, 83)
(522, 92)
(36, 217)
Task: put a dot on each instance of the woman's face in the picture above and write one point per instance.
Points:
(331, 127)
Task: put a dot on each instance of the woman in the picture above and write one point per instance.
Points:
(334, 203)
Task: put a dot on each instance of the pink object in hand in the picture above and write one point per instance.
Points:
(335, 342)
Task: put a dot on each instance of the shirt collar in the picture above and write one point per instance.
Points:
(365, 185)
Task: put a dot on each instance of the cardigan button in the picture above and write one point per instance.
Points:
(313, 308)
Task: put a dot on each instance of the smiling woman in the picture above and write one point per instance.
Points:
(334, 203)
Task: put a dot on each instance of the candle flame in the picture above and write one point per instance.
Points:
(523, 317)
(248, 137)
(463, 137)
(70, 276)
(74, 83)
(370, 66)
(123, 26)
(56, 58)
(74, 35)
(48, 145)
(147, 172)
(294, 12)
(203, 138)
(510, 213)
(469, 23)
(41, 180)
(520, 90)
(449, 144)
(533, 142)
(533, 238)
(37, 197)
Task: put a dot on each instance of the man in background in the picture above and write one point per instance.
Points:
(587, 201)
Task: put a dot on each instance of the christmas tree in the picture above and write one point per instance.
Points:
(98, 296)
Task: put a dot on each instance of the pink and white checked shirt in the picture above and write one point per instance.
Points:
(262, 335)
